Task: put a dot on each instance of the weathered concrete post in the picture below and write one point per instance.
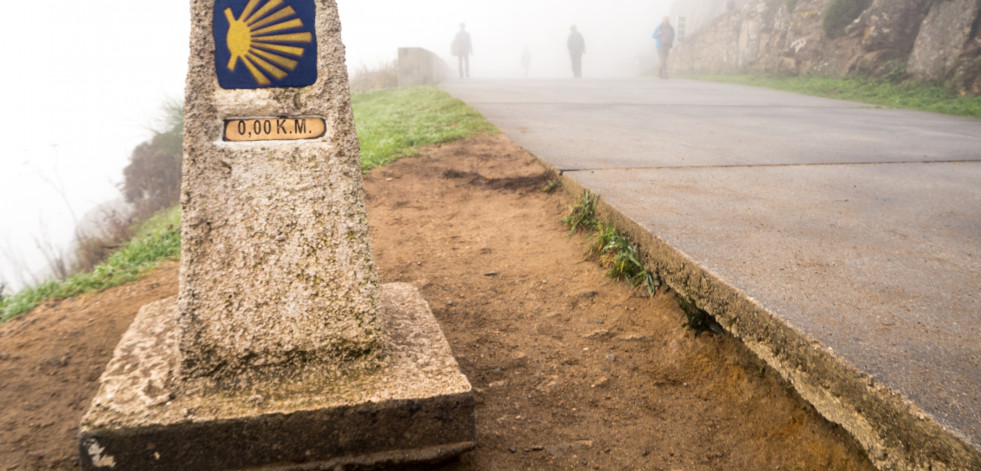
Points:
(281, 349)
(276, 268)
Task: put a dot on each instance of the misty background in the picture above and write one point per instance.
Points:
(85, 83)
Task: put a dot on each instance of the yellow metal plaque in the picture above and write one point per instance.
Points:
(274, 129)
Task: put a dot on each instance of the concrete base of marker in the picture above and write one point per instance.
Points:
(416, 408)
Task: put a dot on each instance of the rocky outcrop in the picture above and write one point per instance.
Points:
(888, 30)
(943, 37)
(938, 39)
(965, 75)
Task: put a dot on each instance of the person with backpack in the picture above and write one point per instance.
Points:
(664, 37)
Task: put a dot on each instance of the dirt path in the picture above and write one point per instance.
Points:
(50, 362)
(571, 372)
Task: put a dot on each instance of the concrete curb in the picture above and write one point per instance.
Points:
(896, 434)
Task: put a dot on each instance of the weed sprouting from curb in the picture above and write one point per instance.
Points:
(617, 254)
(612, 249)
(582, 215)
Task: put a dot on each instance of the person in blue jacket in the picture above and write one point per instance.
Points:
(664, 36)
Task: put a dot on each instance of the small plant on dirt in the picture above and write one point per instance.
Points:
(615, 253)
(619, 256)
(551, 185)
(613, 250)
(697, 319)
(582, 215)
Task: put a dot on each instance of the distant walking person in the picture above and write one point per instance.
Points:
(462, 49)
(664, 36)
(526, 61)
(577, 47)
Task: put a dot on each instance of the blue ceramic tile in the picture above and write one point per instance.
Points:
(265, 43)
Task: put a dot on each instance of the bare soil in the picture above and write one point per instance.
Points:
(570, 370)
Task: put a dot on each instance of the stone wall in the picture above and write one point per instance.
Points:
(699, 14)
(419, 66)
(933, 40)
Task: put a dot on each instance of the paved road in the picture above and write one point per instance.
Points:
(859, 226)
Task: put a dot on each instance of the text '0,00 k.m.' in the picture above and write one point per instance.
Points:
(274, 129)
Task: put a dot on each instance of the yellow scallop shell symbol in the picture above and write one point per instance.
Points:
(258, 39)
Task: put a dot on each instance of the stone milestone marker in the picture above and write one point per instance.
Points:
(281, 350)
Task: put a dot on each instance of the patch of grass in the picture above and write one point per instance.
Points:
(158, 239)
(392, 123)
(840, 14)
(908, 94)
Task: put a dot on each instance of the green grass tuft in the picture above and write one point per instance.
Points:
(582, 215)
(613, 249)
(392, 123)
(908, 94)
(158, 239)
(619, 256)
(551, 185)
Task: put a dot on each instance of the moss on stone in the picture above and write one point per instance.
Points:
(840, 14)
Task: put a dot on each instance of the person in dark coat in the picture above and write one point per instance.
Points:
(462, 48)
(577, 47)
(664, 37)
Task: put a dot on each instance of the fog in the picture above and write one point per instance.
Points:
(617, 33)
(81, 89)
(88, 86)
